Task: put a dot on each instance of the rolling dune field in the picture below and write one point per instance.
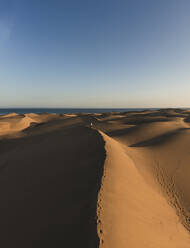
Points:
(113, 180)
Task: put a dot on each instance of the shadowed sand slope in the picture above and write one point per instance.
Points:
(48, 186)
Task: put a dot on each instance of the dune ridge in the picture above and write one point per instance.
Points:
(130, 212)
(144, 198)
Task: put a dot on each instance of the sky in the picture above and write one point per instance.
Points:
(93, 54)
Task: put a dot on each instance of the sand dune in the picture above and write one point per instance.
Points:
(144, 199)
(130, 171)
(49, 185)
(13, 124)
(131, 213)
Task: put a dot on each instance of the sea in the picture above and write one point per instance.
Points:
(4, 111)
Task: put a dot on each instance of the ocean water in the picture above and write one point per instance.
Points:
(4, 111)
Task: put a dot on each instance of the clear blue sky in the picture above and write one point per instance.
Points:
(100, 53)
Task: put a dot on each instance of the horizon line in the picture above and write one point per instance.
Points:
(94, 107)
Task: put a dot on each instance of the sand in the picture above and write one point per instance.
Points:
(50, 175)
(144, 200)
(122, 183)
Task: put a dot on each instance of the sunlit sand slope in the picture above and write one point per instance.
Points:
(131, 213)
(144, 200)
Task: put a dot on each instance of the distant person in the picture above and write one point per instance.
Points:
(91, 124)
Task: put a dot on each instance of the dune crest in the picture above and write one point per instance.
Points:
(130, 212)
(14, 123)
